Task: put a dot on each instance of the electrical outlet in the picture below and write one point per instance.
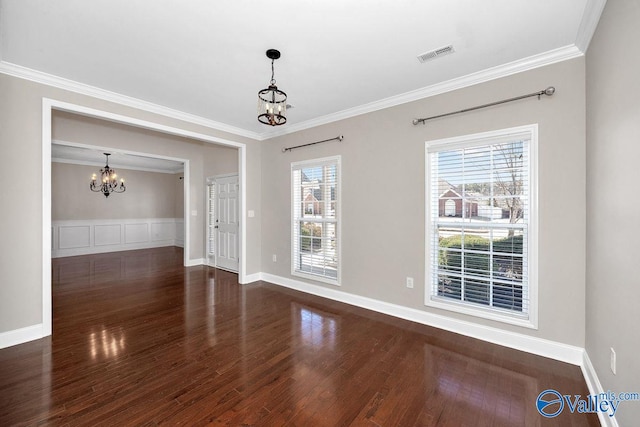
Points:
(409, 282)
(274, 258)
(613, 361)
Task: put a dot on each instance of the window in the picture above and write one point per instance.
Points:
(481, 225)
(315, 219)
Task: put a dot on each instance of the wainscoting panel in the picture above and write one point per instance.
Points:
(136, 233)
(163, 231)
(107, 234)
(75, 236)
(83, 237)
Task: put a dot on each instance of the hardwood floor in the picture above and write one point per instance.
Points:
(140, 340)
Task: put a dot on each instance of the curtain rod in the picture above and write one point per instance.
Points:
(548, 91)
(339, 138)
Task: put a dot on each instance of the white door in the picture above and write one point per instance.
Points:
(226, 223)
(449, 208)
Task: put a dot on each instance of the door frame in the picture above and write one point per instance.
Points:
(48, 106)
(209, 180)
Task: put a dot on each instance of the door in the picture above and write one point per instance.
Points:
(449, 208)
(223, 223)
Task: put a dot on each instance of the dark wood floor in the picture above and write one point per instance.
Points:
(140, 340)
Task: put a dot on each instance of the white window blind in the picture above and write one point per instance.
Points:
(315, 214)
(479, 222)
(211, 218)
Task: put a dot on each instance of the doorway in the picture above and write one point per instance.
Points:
(48, 106)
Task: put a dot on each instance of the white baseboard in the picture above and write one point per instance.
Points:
(195, 261)
(250, 278)
(593, 383)
(20, 336)
(542, 347)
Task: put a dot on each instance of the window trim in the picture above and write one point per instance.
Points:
(531, 319)
(337, 160)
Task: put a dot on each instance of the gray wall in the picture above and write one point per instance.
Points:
(21, 145)
(613, 210)
(221, 161)
(178, 207)
(383, 192)
(148, 195)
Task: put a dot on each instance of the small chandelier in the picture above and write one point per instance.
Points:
(109, 180)
(272, 102)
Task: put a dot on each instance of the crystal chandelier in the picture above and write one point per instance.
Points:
(109, 181)
(272, 102)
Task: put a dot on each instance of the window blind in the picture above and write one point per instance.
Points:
(211, 200)
(315, 218)
(479, 216)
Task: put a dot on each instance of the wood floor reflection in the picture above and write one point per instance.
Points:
(140, 340)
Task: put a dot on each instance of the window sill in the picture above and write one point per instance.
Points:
(485, 313)
(315, 277)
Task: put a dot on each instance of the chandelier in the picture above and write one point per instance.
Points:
(272, 102)
(109, 181)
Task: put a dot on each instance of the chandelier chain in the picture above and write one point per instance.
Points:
(273, 80)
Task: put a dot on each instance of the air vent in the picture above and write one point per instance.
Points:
(436, 53)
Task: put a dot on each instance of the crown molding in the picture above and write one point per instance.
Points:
(115, 166)
(590, 18)
(95, 92)
(177, 169)
(521, 65)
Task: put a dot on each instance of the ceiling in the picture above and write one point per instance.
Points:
(95, 157)
(205, 60)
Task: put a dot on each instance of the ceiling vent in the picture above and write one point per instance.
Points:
(436, 53)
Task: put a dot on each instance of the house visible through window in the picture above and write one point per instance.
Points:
(315, 233)
(481, 225)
